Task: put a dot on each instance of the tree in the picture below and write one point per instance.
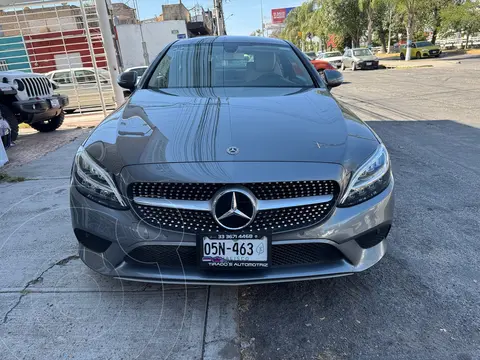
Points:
(346, 19)
(411, 8)
(257, 32)
(437, 7)
(369, 7)
(463, 18)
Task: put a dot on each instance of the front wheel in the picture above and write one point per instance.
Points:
(354, 66)
(402, 56)
(342, 67)
(419, 55)
(12, 120)
(50, 124)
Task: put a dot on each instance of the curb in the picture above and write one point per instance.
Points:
(405, 67)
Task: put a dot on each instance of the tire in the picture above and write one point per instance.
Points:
(12, 120)
(70, 111)
(49, 125)
(437, 56)
(342, 67)
(419, 55)
(354, 66)
(402, 56)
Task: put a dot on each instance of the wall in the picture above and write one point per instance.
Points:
(124, 14)
(175, 12)
(42, 49)
(12, 51)
(156, 34)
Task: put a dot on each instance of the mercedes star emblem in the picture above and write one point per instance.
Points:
(233, 150)
(234, 209)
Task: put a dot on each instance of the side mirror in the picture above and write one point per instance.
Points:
(128, 80)
(333, 78)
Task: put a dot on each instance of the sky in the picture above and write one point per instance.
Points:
(245, 14)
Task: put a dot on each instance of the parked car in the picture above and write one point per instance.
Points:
(333, 57)
(29, 98)
(359, 58)
(215, 173)
(421, 49)
(83, 87)
(321, 65)
(140, 70)
(311, 55)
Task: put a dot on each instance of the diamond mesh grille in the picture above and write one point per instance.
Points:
(192, 221)
(262, 191)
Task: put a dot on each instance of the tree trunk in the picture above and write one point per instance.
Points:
(437, 23)
(381, 35)
(370, 26)
(410, 17)
(468, 38)
(390, 31)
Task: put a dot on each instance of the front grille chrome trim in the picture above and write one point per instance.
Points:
(207, 205)
(174, 204)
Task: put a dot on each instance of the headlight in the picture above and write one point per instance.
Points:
(18, 85)
(94, 182)
(369, 180)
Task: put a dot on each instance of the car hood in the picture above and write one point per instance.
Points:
(334, 58)
(200, 125)
(433, 47)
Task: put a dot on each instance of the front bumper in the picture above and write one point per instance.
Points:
(364, 65)
(35, 110)
(349, 231)
(336, 63)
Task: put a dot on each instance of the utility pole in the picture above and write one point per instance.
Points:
(216, 11)
(261, 14)
(218, 8)
(103, 19)
(144, 44)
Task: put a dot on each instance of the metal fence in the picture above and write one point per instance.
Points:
(63, 41)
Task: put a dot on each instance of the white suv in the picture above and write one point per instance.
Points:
(29, 98)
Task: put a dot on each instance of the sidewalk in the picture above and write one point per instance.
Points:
(66, 311)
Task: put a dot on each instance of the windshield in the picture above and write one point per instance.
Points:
(332, 54)
(230, 64)
(423, 44)
(362, 52)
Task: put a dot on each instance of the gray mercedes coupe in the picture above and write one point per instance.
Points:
(231, 163)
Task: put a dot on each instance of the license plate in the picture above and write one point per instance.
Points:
(369, 63)
(234, 251)
(55, 103)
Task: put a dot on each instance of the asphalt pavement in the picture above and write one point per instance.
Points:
(422, 300)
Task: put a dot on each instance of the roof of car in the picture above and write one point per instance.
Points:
(78, 68)
(231, 38)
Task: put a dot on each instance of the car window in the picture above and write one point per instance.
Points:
(424, 44)
(63, 77)
(207, 64)
(362, 52)
(332, 54)
(85, 76)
